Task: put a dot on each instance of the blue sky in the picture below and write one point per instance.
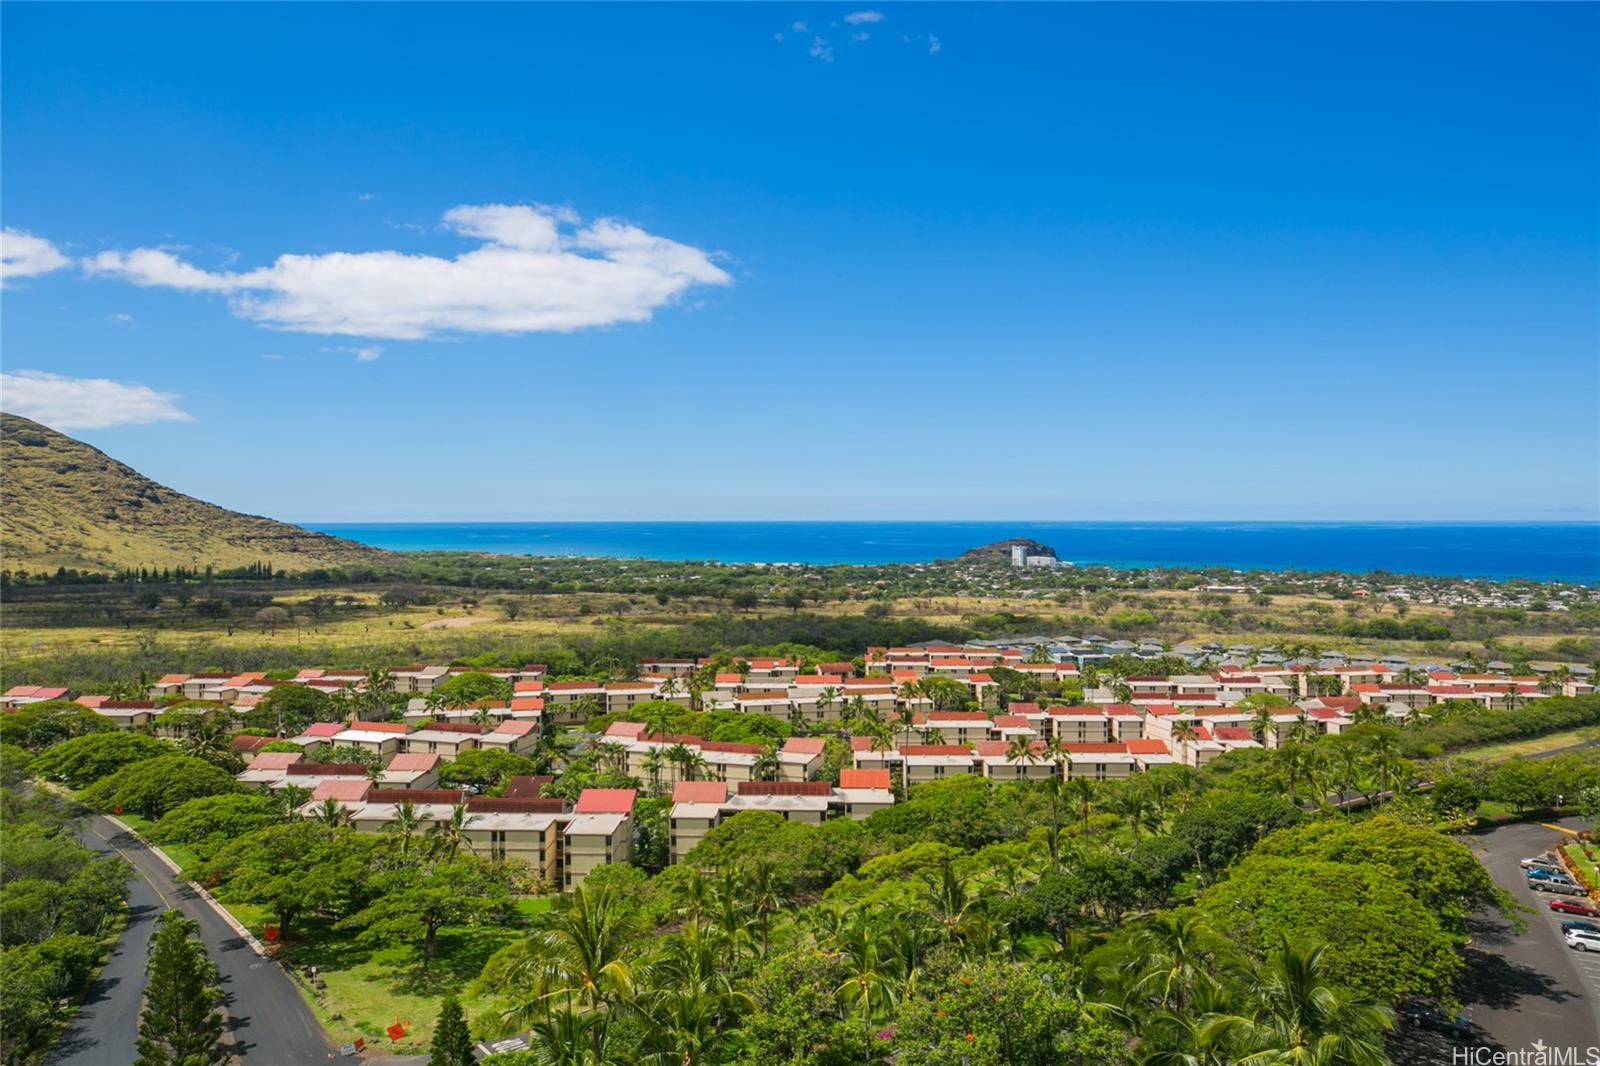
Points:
(1050, 262)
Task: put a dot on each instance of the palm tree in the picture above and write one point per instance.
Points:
(1185, 733)
(579, 957)
(1081, 793)
(1299, 1017)
(330, 814)
(613, 754)
(446, 837)
(1137, 807)
(1263, 723)
(867, 989)
(404, 824)
(825, 701)
(765, 767)
(689, 1002)
(1179, 949)
(652, 763)
(290, 798)
(1411, 675)
(680, 756)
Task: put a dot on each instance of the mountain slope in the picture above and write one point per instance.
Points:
(63, 503)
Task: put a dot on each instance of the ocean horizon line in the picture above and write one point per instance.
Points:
(1565, 551)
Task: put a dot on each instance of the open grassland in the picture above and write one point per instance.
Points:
(1493, 753)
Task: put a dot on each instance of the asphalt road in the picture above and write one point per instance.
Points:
(1520, 988)
(268, 1022)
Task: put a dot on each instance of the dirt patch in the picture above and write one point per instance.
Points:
(456, 623)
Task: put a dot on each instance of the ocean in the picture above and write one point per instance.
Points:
(1546, 551)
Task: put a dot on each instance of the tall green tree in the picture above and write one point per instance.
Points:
(452, 1043)
(181, 1024)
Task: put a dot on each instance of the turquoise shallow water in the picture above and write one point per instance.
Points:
(1552, 551)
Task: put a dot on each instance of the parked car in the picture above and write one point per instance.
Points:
(1545, 861)
(1575, 906)
(1580, 940)
(1429, 1016)
(1587, 927)
(1560, 888)
(1541, 874)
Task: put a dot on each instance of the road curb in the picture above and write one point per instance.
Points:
(199, 889)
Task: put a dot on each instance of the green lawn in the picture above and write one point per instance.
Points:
(1531, 746)
(178, 853)
(366, 988)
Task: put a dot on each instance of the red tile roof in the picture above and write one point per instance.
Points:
(413, 762)
(864, 779)
(785, 788)
(344, 790)
(606, 801)
(700, 792)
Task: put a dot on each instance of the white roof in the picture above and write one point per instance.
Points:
(595, 824)
(708, 811)
(441, 736)
(865, 795)
(364, 736)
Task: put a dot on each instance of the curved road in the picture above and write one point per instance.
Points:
(268, 1023)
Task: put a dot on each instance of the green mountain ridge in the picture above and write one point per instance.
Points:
(66, 504)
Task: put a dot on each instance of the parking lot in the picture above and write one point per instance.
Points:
(1522, 989)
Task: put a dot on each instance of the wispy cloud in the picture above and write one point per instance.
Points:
(856, 18)
(537, 269)
(933, 45)
(120, 318)
(369, 353)
(821, 49)
(22, 255)
(800, 27)
(85, 403)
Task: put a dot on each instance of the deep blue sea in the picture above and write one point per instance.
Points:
(1563, 551)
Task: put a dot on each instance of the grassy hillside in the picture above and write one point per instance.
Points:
(63, 503)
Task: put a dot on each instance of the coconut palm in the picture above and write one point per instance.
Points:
(1137, 807)
(1185, 733)
(652, 763)
(581, 957)
(1297, 1016)
(404, 824)
(446, 837)
(1081, 792)
(825, 701)
(330, 814)
(765, 767)
(290, 798)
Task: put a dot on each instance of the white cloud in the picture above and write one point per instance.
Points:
(120, 318)
(23, 255)
(536, 270)
(933, 45)
(859, 37)
(800, 27)
(369, 353)
(821, 49)
(856, 18)
(85, 403)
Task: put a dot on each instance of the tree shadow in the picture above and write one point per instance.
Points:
(462, 953)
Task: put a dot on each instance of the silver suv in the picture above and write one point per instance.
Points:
(1583, 940)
